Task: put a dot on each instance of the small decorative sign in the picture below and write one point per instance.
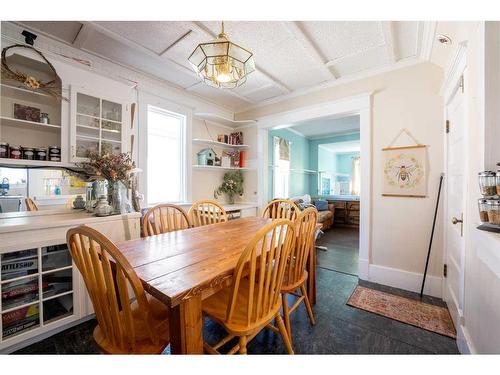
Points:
(405, 170)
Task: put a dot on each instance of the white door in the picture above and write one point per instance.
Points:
(455, 205)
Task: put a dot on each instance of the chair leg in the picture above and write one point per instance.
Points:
(286, 315)
(243, 345)
(308, 305)
(284, 334)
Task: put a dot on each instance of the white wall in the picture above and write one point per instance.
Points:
(409, 98)
(204, 182)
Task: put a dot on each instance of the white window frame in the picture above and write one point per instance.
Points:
(147, 100)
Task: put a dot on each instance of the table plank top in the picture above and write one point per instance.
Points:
(178, 265)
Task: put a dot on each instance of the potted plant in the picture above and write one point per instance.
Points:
(232, 185)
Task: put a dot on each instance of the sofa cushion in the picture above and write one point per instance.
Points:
(321, 205)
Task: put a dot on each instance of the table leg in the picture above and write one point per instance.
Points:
(311, 282)
(186, 327)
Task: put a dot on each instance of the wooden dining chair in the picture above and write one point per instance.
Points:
(253, 300)
(164, 218)
(281, 209)
(206, 212)
(30, 204)
(140, 327)
(296, 274)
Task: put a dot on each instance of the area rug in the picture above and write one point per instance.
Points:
(419, 314)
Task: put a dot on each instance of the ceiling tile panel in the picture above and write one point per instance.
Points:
(221, 96)
(63, 30)
(371, 59)
(406, 38)
(339, 39)
(109, 48)
(264, 93)
(255, 81)
(155, 36)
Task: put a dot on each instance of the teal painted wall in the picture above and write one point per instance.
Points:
(299, 154)
(314, 152)
(344, 165)
(306, 154)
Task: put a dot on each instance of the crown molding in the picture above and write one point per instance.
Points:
(401, 64)
(455, 68)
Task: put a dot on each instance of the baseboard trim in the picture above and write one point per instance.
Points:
(398, 278)
(464, 343)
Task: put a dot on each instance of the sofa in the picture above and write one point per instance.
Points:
(326, 211)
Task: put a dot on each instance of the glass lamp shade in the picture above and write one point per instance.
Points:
(222, 63)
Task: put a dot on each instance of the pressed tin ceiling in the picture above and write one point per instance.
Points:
(290, 57)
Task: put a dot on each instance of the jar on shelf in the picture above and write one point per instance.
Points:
(54, 153)
(483, 210)
(487, 183)
(28, 153)
(4, 150)
(498, 182)
(40, 153)
(14, 152)
(493, 211)
(44, 118)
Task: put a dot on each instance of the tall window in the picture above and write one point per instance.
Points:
(281, 167)
(166, 164)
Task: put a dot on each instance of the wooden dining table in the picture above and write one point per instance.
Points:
(183, 268)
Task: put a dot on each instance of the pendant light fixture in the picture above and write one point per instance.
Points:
(222, 63)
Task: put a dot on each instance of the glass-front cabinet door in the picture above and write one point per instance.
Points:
(97, 125)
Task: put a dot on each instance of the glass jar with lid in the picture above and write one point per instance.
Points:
(493, 211)
(487, 183)
(498, 182)
(483, 210)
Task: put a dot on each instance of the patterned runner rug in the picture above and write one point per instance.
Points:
(423, 315)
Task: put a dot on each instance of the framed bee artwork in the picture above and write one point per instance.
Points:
(405, 171)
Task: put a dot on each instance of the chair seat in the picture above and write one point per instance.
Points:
(290, 287)
(143, 343)
(216, 307)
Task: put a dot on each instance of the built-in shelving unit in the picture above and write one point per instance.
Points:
(24, 128)
(34, 163)
(212, 167)
(36, 289)
(221, 120)
(209, 142)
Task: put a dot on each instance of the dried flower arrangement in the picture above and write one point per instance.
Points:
(109, 166)
(232, 185)
(28, 81)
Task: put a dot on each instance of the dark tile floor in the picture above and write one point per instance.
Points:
(340, 329)
(343, 250)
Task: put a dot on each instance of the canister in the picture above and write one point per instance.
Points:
(40, 153)
(487, 183)
(54, 153)
(483, 209)
(4, 150)
(28, 153)
(14, 152)
(493, 211)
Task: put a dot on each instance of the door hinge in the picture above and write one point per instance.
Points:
(445, 270)
(447, 126)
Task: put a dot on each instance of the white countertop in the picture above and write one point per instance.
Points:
(22, 221)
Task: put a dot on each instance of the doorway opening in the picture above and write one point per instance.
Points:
(318, 162)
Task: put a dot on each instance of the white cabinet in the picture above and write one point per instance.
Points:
(98, 123)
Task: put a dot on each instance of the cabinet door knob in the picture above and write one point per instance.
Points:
(454, 220)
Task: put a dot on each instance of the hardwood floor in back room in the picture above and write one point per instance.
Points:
(339, 329)
(342, 252)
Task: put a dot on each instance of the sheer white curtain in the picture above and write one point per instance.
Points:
(356, 177)
(281, 167)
